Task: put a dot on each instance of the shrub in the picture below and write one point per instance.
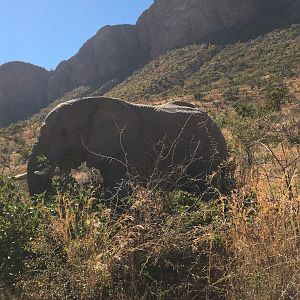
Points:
(231, 94)
(19, 223)
(198, 96)
(276, 97)
(244, 109)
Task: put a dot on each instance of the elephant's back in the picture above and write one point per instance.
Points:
(179, 106)
(187, 125)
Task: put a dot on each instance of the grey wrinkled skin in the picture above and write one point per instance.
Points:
(168, 146)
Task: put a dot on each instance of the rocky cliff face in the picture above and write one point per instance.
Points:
(170, 24)
(117, 51)
(113, 53)
(23, 91)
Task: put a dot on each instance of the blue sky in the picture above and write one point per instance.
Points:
(44, 32)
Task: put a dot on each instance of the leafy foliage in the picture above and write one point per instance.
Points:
(19, 222)
(276, 97)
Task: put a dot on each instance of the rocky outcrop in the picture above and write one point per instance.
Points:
(170, 24)
(23, 91)
(113, 53)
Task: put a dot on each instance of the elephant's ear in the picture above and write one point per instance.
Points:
(114, 128)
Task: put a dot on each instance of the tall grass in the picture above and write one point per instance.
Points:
(264, 231)
(165, 245)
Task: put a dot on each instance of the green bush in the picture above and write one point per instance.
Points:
(276, 97)
(19, 223)
(244, 109)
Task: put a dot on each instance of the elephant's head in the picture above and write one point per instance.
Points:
(81, 130)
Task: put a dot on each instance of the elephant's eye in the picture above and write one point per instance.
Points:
(63, 133)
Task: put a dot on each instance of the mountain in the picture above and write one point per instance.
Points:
(115, 52)
(199, 69)
(23, 90)
(170, 24)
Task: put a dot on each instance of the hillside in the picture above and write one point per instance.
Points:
(205, 67)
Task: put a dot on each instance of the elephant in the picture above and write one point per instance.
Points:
(170, 144)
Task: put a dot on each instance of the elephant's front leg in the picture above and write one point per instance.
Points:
(116, 186)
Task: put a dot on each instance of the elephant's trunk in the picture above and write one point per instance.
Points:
(37, 183)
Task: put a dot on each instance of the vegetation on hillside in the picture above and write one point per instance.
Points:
(202, 68)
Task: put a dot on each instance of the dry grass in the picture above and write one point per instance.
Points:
(173, 246)
(264, 230)
(266, 250)
(244, 245)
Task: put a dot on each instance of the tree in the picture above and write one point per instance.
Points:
(277, 97)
